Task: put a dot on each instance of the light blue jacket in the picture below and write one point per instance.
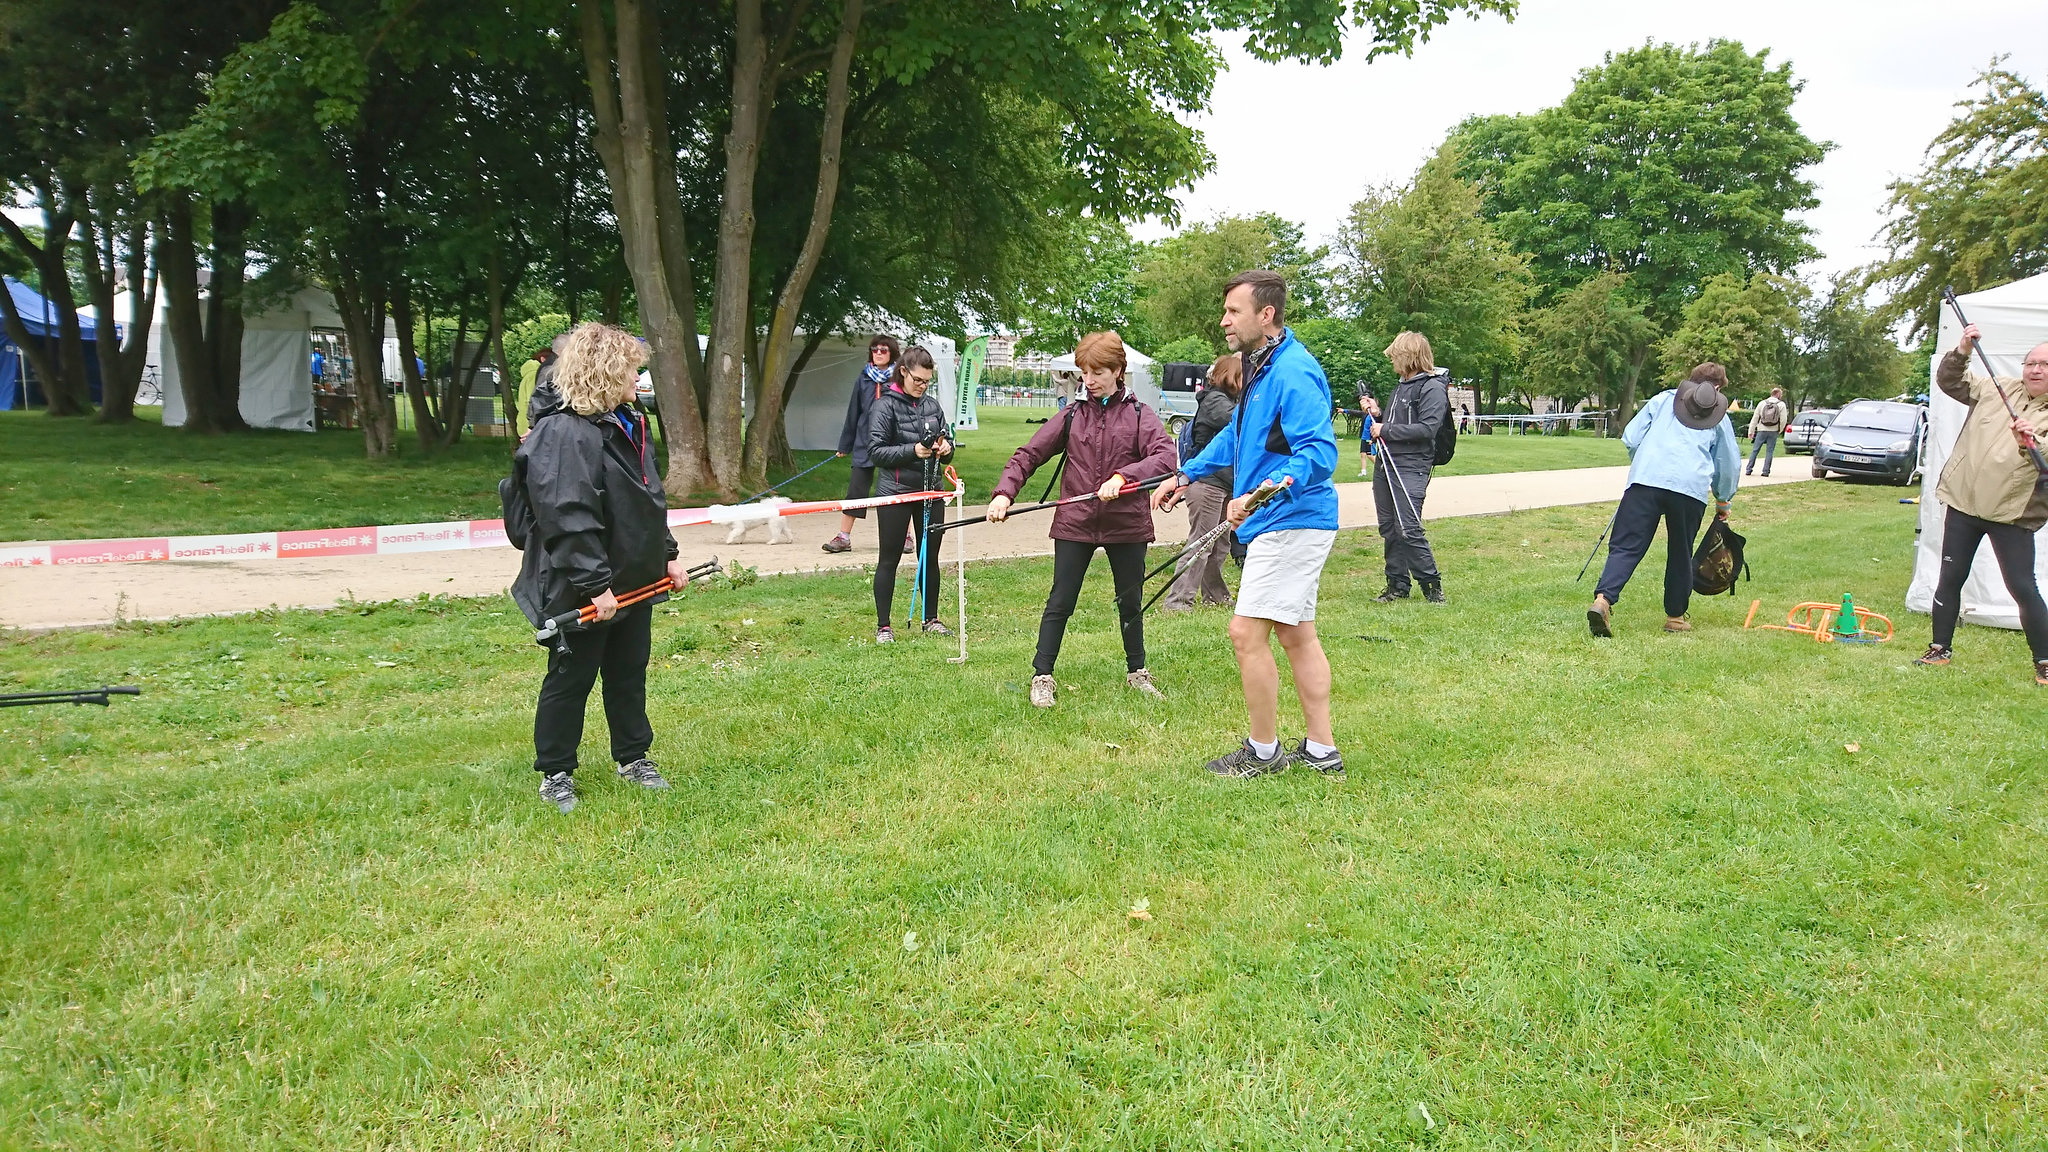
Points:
(1289, 400)
(1695, 462)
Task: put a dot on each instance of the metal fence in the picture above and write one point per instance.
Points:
(988, 397)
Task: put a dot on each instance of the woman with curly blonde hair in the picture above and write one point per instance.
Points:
(600, 528)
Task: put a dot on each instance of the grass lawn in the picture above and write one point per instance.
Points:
(68, 480)
(1635, 894)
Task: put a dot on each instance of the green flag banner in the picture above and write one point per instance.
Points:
(963, 410)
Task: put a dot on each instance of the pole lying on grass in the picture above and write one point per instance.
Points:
(99, 696)
(588, 613)
(2033, 449)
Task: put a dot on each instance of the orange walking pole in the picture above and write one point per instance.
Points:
(588, 613)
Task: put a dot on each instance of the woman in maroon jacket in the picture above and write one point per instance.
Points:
(1111, 443)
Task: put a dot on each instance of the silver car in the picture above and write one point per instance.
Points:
(1805, 429)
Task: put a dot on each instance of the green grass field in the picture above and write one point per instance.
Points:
(63, 480)
(1638, 894)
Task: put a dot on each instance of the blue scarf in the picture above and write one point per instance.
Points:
(876, 376)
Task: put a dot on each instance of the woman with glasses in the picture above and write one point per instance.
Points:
(907, 440)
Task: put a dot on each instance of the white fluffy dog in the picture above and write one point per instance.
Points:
(777, 526)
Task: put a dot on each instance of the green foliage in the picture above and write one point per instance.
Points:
(1180, 279)
(528, 336)
(1090, 289)
(1976, 216)
(1746, 326)
(1423, 258)
(1351, 359)
(1186, 350)
(1670, 164)
(1593, 341)
(1847, 351)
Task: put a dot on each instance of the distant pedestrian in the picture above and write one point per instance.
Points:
(1993, 492)
(1766, 424)
(868, 387)
(1406, 447)
(600, 529)
(540, 397)
(1681, 450)
(1206, 497)
(1464, 419)
(1111, 442)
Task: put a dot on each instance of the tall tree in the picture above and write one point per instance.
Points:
(1846, 349)
(1593, 340)
(1180, 279)
(1976, 215)
(1748, 326)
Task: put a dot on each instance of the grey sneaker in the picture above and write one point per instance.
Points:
(1142, 681)
(936, 628)
(885, 635)
(559, 789)
(642, 772)
(1244, 763)
(1331, 766)
(839, 543)
(1042, 692)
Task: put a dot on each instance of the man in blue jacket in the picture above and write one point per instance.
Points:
(1281, 432)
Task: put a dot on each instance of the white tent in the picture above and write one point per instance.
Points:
(817, 406)
(1141, 374)
(2014, 319)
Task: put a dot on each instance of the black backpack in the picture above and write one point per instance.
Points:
(1718, 560)
(1447, 432)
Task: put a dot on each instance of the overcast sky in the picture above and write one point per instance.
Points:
(1881, 77)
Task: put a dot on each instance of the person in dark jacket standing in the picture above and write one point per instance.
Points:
(600, 529)
(1207, 496)
(1405, 443)
(1111, 442)
(907, 440)
(853, 434)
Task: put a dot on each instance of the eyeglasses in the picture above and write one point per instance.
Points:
(2035, 364)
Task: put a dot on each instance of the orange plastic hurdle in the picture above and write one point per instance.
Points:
(1820, 621)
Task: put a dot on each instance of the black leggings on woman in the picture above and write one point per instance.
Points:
(1070, 559)
(2014, 547)
(892, 520)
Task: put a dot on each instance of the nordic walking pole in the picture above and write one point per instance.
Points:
(960, 553)
(1193, 549)
(2033, 449)
(1597, 544)
(99, 696)
(1143, 486)
(588, 613)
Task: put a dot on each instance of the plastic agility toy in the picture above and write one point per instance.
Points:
(1828, 623)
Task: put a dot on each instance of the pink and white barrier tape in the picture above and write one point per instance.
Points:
(379, 540)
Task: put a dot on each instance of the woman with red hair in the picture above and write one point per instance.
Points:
(1112, 442)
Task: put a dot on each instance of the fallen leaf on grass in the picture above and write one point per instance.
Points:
(1419, 1115)
(1141, 909)
(910, 942)
(385, 663)
(1852, 747)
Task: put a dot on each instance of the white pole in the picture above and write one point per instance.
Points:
(960, 551)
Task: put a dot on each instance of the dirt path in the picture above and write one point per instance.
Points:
(70, 597)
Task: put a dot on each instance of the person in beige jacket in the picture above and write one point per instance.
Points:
(1765, 426)
(1992, 491)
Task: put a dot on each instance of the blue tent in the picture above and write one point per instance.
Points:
(18, 389)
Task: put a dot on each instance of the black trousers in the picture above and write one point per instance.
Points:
(1070, 560)
(891, 521)
(618, 652)
(860, 484)
(2014, 547)
(1400, 521)
(1635, 527)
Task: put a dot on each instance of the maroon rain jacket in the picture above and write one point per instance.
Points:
(1100, 440)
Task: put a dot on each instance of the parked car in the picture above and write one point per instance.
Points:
(1881, 439)
(1177, 393)
(1805, 429)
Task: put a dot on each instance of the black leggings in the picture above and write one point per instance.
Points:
(617, 651)
(892, 520)
(2014, 547)
(1635, 527)
(1070, 560)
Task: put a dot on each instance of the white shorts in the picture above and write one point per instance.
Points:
(1282, 571)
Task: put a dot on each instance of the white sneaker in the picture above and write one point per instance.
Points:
(1142, 681)
(1042, 691)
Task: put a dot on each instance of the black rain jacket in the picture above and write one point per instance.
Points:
(1213, 409)
(895, 429)
(1418, 407)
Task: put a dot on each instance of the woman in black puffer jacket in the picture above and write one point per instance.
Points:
(907, 440)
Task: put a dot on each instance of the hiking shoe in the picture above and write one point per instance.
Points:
(1043, 691)
(1600, 618)
(1245, 763)
(936, 628)
(642, 772)
(1331, 766)
(839, 543)
(559, 789)
(1936, 656)
(1389, 594)
(1434, 593)
(1142, 681)
(2041, 673)
(885, 635)
(1676, 624)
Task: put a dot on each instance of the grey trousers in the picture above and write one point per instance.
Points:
(1206, 504)
(1767, 443)
(1400, 520)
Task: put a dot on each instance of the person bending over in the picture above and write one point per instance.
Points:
(1992, 492)
(1281, 431)
(1406, 443)
(1111, 442)
(1206, 497)
(907, 441)
(853, 440)
(1681, 448)
(600, 529)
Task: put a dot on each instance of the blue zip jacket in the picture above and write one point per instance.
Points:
(1697, 462)
(1281, 429)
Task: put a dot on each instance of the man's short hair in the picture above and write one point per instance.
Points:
(1712, 373)
(1268, 291)
(1778, 392)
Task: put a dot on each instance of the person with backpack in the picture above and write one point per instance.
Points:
(1110, 442)
(1766, 424)
(591, 482)
(907, 439)
(1681, 450)
(1206, 497)
(853, 434)
(1410, 441)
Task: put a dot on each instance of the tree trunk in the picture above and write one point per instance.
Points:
(1626, 409)
(224, 312)
(777, 367)
(424, 425)
(65, 389)
(38, 356)
(362, 315)
(121, 358)
(508, 380)
(178, 267)
(732, 284)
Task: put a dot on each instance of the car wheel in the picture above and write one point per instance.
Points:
(1174, 426)
(1819, 473)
